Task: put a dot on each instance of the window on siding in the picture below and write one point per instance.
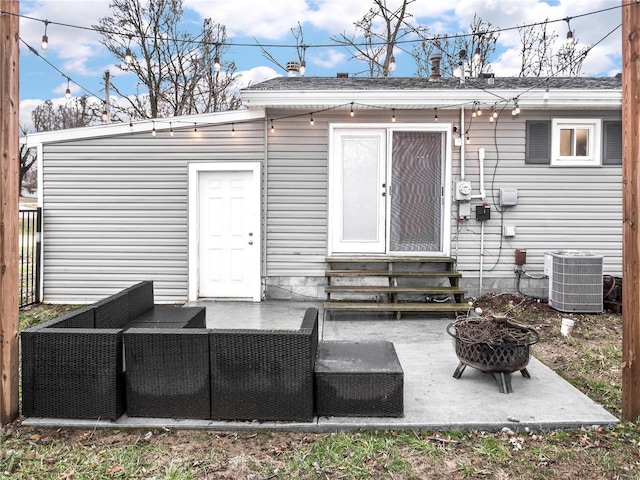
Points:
(576, 142)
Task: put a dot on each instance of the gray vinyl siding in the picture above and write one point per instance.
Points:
(296, 199)
(559, 208)
(116, 209)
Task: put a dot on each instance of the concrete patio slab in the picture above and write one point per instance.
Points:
(433, 399)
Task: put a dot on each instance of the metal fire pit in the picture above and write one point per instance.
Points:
(499, 359)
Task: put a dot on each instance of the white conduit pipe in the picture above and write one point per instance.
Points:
(482, 195)
(462, 145)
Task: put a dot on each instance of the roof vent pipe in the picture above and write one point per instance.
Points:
(435, 68)
(293, 68)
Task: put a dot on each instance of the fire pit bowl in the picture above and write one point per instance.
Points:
(495, 346)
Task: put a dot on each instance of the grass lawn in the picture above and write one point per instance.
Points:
(590, 359)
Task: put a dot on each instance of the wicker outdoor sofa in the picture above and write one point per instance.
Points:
(72, 366)
(125, 354)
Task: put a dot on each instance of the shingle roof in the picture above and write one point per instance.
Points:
(419, 83)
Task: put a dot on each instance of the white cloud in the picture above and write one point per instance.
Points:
(271, 19)
(328, 59)
(256, 75)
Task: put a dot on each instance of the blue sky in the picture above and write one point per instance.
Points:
(79, 55)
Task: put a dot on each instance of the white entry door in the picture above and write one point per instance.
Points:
(229, 237)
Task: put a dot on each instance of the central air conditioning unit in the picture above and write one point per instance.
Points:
(575, 280)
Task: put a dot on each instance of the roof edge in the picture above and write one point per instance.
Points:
(113, 129)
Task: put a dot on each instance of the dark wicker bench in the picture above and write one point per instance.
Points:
(72, 366)
(264, 374)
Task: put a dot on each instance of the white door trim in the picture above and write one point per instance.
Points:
(194, 171)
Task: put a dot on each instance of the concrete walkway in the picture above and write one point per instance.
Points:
(433, 399)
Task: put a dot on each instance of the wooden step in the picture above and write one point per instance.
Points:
(435, 290)
(397, 307)
(387, 273)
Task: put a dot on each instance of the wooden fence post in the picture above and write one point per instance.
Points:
(631, 208)
(9, 154)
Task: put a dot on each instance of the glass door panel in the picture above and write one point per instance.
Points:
(416, 192)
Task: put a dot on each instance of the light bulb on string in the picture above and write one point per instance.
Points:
(170, 129)
(392, 64)
(195, 129)
(45, 38)
(67, 92)
(233, 130)
(311, 122)
(128, 57)
(569, 32)
(216, 60)
(352, 113)
(303, 68)
(153, 130)
(105, 116)
(393, 115)
(273, 129)
(435, 118)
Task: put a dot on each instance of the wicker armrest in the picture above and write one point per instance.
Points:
(72, 373)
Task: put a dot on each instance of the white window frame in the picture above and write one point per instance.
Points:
(594, 127)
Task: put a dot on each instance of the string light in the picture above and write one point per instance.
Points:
(233, 130)
(128, 57)
(569, 32)
(352, 113)
(153, 130)
(195, 129)
(303, 63)
(45, 38)
(392, 64)
(311, 122)
(67, 92)
(477, 56)
(216, 59)
(273, 130)
(435, 118)
(170, 129)
(393, 115)
(105, 116)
